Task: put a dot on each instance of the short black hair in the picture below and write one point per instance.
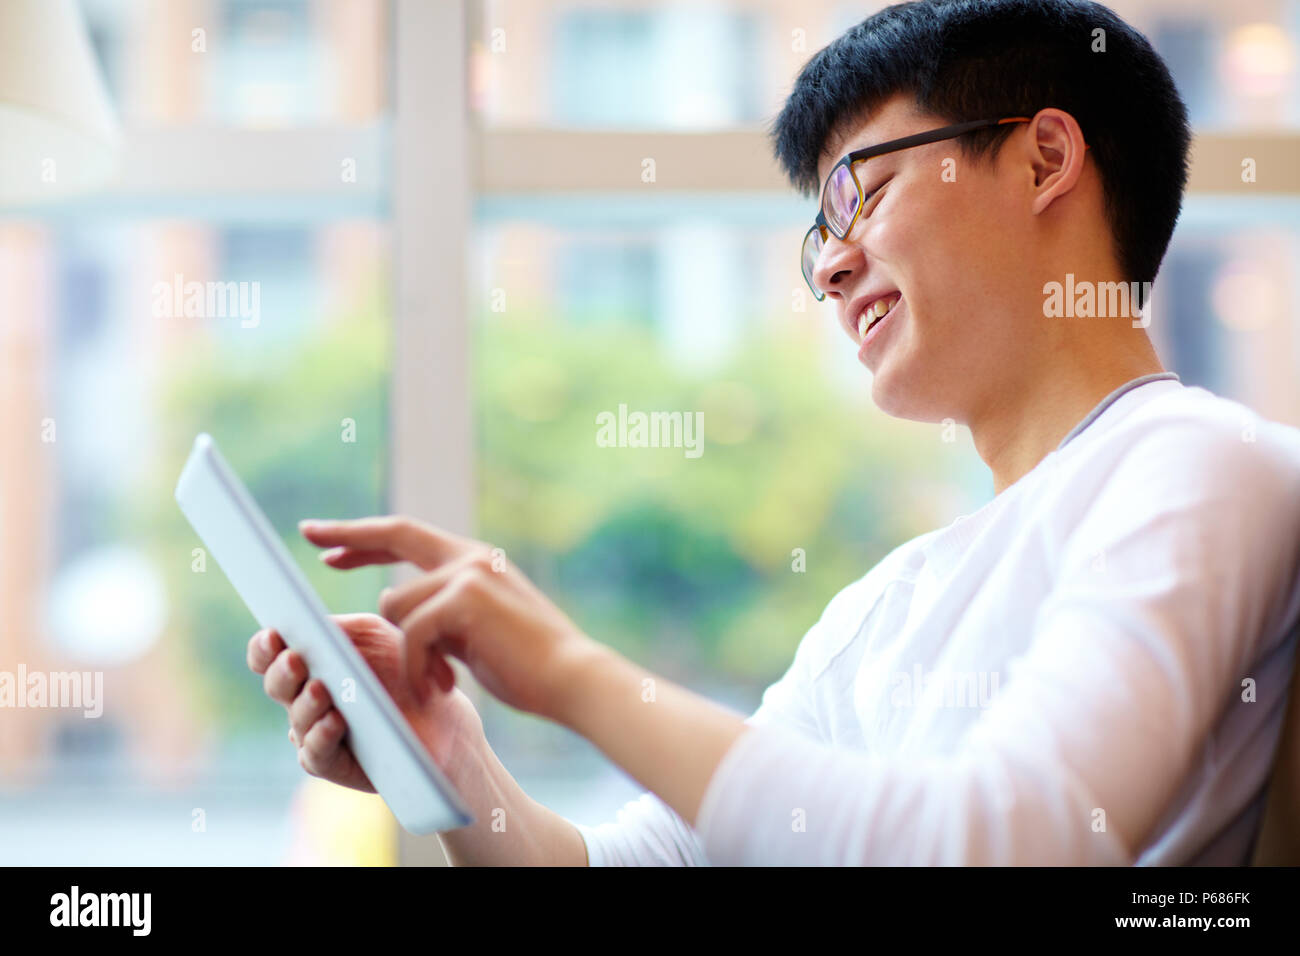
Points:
(982, 59)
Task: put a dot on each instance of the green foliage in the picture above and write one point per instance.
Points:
(277, 411)
(686, 564)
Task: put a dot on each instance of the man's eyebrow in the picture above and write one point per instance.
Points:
(847, 149)
(835, 158)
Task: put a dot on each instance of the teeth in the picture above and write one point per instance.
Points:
(874, 311)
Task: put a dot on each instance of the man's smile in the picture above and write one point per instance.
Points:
(874, 325)
(865, 311)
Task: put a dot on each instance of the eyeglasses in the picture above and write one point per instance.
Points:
(842, 197)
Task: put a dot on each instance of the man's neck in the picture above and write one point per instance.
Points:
(1024, 425)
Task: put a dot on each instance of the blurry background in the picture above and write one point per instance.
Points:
(446, 208)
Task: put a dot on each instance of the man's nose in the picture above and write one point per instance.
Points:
(836, 266)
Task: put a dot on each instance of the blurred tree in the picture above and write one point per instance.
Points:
(304, 421)
(687, 564)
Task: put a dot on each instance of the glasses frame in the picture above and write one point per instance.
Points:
(822, 225)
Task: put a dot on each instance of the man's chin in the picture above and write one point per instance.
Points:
(897, 395)
(885, 393)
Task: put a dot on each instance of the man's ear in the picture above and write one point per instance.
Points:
(1055, 148)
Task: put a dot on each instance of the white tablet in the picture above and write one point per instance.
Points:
(241, 539)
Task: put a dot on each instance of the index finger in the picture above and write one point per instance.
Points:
(405, 538)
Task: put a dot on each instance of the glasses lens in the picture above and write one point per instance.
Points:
(841, 200)
(812, 248)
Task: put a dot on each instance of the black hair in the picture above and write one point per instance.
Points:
(982, 59)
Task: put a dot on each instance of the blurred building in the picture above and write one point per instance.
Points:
(263, 151)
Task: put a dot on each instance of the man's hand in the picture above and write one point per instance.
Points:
(470, 602)
(445, 721)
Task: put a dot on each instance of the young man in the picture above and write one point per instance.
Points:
(1131, 593)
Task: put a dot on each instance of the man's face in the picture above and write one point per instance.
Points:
(952, 238)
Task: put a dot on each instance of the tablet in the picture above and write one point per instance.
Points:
(241, 539)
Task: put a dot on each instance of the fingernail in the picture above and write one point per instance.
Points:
(330, 554)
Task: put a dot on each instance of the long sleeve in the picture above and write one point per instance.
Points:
(646, 832)
(1166, 590)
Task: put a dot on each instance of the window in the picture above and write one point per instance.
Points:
(108, 376)
(594, 287)
(384, 362)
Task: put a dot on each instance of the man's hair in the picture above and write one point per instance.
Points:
(984, 59)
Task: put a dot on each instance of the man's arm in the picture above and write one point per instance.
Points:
(670, 743)
(651, 830)
(1122, 681)
(647, 832)
(521, 646)
(1080, 755)
(510, 828)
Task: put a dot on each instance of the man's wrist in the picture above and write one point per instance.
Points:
(580, 671)
(468, 761)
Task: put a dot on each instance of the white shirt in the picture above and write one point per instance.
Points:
(1090, 669)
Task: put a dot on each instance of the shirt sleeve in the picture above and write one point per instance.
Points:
(646, 832)
(1166, 586)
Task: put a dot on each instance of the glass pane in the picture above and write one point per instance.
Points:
(1225, 303)
(705, 562)
(650, 64)
(708, 568)
(265, 63)
(114, 357)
